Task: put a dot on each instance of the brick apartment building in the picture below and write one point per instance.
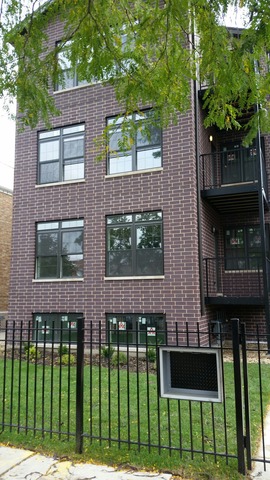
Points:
(5, 252)
(176, 230)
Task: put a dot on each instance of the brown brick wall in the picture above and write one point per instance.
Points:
(5, 242)
(172, 190)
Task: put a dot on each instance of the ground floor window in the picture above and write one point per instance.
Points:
(136, 329)
(55, 327)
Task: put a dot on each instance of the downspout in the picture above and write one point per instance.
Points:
(199, 220)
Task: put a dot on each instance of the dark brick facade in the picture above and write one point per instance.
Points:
(171, 189)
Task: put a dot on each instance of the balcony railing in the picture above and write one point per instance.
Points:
(230, 167)
(233, 277)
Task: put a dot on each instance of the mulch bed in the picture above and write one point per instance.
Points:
(134, 364)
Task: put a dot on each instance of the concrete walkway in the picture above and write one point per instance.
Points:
(258, 471)
(18, 464)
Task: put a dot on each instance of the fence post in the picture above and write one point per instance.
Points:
(246, 397)
(79, 385)
(238, 397)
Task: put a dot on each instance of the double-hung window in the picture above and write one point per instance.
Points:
(69, 74)
(102, 67)
(141, 151)
(243, 248)
(135, 244)
(59, 249)
(126, 41)
(61, 154)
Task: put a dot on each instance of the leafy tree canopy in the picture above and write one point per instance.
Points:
(149, 50)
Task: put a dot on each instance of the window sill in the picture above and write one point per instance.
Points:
(130, 349)
(143, 277)
(49, 280)
(243, 271)
(68, 182)
(134, 172)
(77, 87)
(55, 345)
(73, 346)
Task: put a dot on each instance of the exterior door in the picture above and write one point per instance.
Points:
(238, 164)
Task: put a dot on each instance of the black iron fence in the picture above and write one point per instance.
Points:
(94, 390)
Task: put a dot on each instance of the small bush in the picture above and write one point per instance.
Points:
(27, 346)
(151, 354)
(33, 353)
(62, 350)
(119, 358)
(67, 359)
(107, 352)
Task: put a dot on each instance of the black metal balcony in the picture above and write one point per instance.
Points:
(229, 179)
(233, 281)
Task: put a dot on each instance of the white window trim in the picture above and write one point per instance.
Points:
(48, 280)
(58, 92)
(134, 172)
(52, 184)
(142, 277)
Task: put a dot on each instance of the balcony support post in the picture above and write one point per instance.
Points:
(263, 236)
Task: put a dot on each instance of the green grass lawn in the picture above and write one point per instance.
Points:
(121, 410)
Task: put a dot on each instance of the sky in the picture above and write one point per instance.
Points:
(7, 126)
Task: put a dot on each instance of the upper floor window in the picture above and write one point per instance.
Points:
(69, 77)
(125, 41)
(243, 248)
(135, 244)
(59, 249)
(61, 154)
(100, 66)
(144, 145)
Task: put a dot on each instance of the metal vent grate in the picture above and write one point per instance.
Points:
(196, 372)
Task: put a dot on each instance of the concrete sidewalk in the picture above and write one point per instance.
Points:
(17, 464)
(258, 472)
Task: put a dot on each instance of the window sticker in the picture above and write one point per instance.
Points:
(122, 326)
(151, 331)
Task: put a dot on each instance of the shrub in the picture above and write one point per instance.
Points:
(151, 354)
(32, 353)
(62, 350)
(27, 346)
(107, 352)
(119, 358)
(67, 359)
